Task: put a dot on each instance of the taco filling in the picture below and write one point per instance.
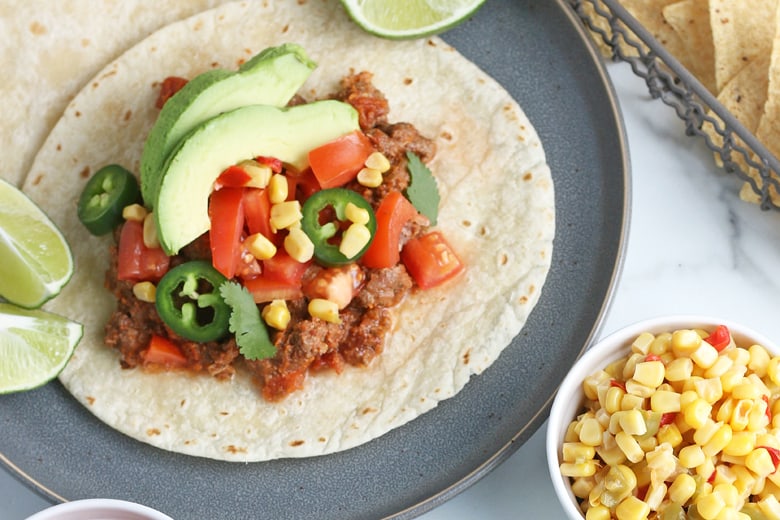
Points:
(299, 270)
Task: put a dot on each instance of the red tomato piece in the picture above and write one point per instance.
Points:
(278, 387)
(392, 214)
(720, 338)
(226, 212)
(232, 177)
(135, 261)
(272, 162)
(302, 185)
(170, 86)
(257, 211)
(339, 161)
(430, 260)
(265, 289)
(163, 352)
(284, 268)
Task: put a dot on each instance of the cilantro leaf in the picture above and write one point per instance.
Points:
(245, 322)
(422, 192)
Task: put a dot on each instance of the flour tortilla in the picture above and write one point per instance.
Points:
(497, 210)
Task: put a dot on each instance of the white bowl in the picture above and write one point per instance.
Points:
(99, 509)
(569, 398)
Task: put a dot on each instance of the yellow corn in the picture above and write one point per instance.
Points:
(354, 239)
(260, 247)
(732, 377)
(719, 440)
(145, 291)
(260, 173)
(632, 509)
(725, 410)
(649, 373)
(704, 356)
(746, 390)
(378, 161)
(655, 495)
(669, 434)
(770, 507)
(298, 245)
(682, 489)
(285, 215)
(709, 505)
(632, 402)
(591, 383)
(369, 177)
(629, 446)
(276, 314)
(633, 422)
(590, 433)
(638, 389)
(741, 415)
(577, 452)
(328, 311)
(662, 344)
(151, 239)
(679, 369)
(134, 212)
(598, 513)
(664, 401)
(356, 214)
(744, 479)
(691, 456)
(277, 188)
(581, 486)
(612, 399)
(685, 342)
(773, 370)
(641, 344)
(697, 413)
(740, 356)
(579, 469)
(741, 444)
(728, 493)
(759, 360)
(759, 462)
(704, 433)
(720, 367)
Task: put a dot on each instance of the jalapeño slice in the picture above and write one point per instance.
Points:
(325, 219)
(105, 196)
(189, 302)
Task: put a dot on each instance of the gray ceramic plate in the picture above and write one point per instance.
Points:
(538, 51)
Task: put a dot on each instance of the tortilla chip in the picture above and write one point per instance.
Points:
(741, 31)
(49, 50)
(497, 211)
(690, 20)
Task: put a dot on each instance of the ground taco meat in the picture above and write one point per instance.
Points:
(308, 344)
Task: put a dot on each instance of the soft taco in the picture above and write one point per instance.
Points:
(496, 210)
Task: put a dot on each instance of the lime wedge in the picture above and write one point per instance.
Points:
(36, 260)
(35, 346)
(401, 19)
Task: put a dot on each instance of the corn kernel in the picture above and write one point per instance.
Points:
(719, 440)
(655, 495)
(328, 311)
(641, 344)
(649, 373)
(134, 212)
(629, 446)
(260, 174)
(611, 456)
(276, 314)
(378, 161)
(581, 486)
(632, 509)
(260, 247)
(728, 493)
(633, 423)
(773, 370)
(354, 239)
(356, 214)
(679, 369)
(740, 356)
(638, 389)
(685, 342)
(632, 402)
(759, 360)
(741, 415)
(579, 469)
(664, 401)
(577, 452)
(662, 344)
(721, 366)
(285, 214)
(277, 188)
(705, 356)
(369, 177)
(612, 399)
(770, 507)
(298, 245)
(682, 489)
(151, 239)
(598, 513)
(745, 479)
(691, 456)
(732, 377)
(760, 462)
(590, 433)
(697, 413)
(145, 291)
(709, 505)
(669, 434)
(741, 444)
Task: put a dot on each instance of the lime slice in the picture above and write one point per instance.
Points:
(35, 345)
(400, 19)
(36, 260)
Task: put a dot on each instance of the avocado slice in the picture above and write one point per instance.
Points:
(271, 77)
(188, 176)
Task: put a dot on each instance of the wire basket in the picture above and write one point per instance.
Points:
(734, 146)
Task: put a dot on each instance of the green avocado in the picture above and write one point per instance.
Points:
(272, 77)
(188, 176)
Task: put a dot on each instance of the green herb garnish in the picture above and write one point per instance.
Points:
(245, 322)
(422, 192)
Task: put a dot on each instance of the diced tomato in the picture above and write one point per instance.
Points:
(392, 214)
(720, 338)
(329, 360)
(226, 212)
(265, 289)
(617, 384)
(768, 412)
(170, 86)
(653, 357)
(257, 211)
(163, 352)
(339, 161)
(281, 386)
(430, 260)
(302, 185)
(232, 177)
(774, 454)
(135, 261)
(274, 163)
(667, 418)
(284, 268)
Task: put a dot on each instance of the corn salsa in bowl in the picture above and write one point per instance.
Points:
(670, 418)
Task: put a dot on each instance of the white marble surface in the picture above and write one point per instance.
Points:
(693, 247)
